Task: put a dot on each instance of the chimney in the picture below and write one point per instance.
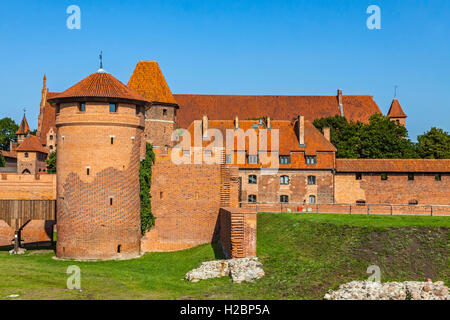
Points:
(340, 102)
(301, 130)
(205, 126)
(236, 123)
(326, 133)
(269, 125)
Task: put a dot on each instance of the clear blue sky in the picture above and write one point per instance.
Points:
(235, 47)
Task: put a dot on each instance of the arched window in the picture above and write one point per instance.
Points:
(312, 199)
(252, 198)
(252, 179)
(284, 180)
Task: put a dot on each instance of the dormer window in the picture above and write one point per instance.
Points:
(82, 107)
(285, 159)
(112, 107)
(311, 159)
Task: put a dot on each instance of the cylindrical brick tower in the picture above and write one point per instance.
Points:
(100, 124)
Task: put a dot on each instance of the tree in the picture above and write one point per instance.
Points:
(2, 161)
(51, 162)
(379, 139)
(8, 129)
(434, 144)
(145, 180)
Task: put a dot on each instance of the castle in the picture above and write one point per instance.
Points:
(99, 127)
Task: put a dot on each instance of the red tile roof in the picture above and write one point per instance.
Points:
(48, 118)
(194, 106)
(393, 165)
(8, 154)
(288, 142)
(31, 144)
(396, 111)
(148, 80)
(99, 85)
(24, 128)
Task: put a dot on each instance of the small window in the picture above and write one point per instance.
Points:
(410, 176)
(361, 203)
(284, 199)
(413, 202)
(311, 159)
(110, 201)
(112, 107)
(252, 159)
(51, 137)
(384, 176)
(111, 138)
(252, 198)
(119, 247)
(82, 107)
(438, 177)
(164, 112)
(51, 147)
(312, 199)
(252, 179)
(285, 159)
(88, 171)
(161, 195)
(311, 180)
(26, 154)
(284, 180)
(358, 176)
(228, 159)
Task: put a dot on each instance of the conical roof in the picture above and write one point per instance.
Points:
(99, 85)
(24, 128)
(396, 110)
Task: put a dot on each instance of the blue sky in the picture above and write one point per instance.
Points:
(297, 47)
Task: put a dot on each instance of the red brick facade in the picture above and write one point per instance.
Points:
(238, 232)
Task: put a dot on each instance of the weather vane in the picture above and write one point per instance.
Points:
(101, 59)
(395, 94)
(24, 110)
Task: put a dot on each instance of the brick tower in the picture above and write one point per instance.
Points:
(396, 113)
(100, 124)
(148, 80)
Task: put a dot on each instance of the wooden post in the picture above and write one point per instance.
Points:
(350, 209)
(431, 210)
(16, 242)
(391, 210)
(368, 209)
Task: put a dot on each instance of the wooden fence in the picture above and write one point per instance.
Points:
(17, 213)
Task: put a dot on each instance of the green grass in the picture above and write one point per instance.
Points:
(304, 255)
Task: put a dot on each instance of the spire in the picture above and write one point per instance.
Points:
(24, 128)
(45, 82)
(101, 70)
(396, 111)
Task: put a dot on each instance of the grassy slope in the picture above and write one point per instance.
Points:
(304, 256)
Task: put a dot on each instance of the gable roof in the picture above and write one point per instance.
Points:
(396, 111)
(193, 106)
(48, 118)
(148, 80)
(393, 165)
(99, 85)
(31, 144)
(24, 128)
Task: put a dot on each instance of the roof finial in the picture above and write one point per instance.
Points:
(24, 111)
(395, 94)
(101, 59)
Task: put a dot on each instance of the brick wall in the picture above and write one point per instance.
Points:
(29, 187)
(159, 125)
(99, 211)
(186, 200)
(396, 190)
(238, 232)
(269, 188)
